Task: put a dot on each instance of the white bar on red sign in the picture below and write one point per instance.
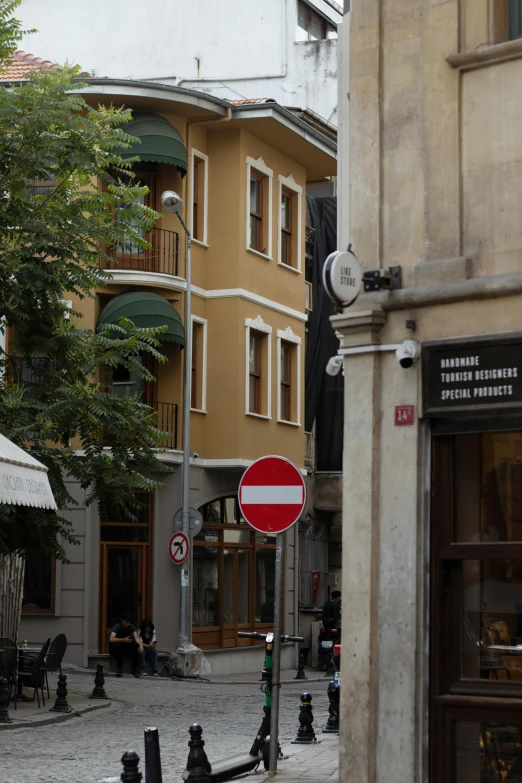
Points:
(268, 495)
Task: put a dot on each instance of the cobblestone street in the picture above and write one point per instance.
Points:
(87, 749)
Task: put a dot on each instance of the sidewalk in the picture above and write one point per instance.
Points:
(311, 763)
(29, 715)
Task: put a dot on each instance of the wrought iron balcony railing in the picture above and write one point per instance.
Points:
(167, 422)
(161, 256)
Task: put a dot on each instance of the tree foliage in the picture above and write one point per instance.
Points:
(55, 398)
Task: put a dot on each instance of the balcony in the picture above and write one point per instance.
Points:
(167, 422)
(161, 256)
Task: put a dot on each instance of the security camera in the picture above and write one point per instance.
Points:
(194, 454)
(171, 202)
(334, 365)
(407, 353)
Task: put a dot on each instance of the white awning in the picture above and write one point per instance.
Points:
(23, 480)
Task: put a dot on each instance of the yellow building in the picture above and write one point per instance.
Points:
(242, 171)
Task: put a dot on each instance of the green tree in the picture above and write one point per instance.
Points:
(54, 395)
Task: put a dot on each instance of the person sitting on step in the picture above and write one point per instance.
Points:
(125, 642)
(147, 636)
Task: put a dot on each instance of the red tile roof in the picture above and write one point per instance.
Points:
(243, 101)
(22, 64)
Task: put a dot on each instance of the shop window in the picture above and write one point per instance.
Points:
(259, 207)
(198, 383)
(311, 26)
(39, 583)
(234, 570)
(290, 240)
(476, 615)
(288, 377)
(258, 367)
(199, 196)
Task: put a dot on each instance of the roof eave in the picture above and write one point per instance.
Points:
(289, 120)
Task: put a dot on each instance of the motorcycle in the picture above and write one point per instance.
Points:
(328, 637)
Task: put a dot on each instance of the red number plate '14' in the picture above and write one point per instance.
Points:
(404, 415)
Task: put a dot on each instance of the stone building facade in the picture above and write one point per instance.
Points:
(432, 591)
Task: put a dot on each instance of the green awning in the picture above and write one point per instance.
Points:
(145, 309)
(160, 142)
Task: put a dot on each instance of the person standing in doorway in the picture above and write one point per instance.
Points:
(147, 635)
(124, 642)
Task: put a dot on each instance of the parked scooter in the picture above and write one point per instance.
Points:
(327, 639)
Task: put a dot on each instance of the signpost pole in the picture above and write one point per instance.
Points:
(276, 662)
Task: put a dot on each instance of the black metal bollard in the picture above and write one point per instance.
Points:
(305, 732)
(300, 675)
(61, 704)
(98, 692)
(152, 757)
(131, 773)
(4, 701)
(198, 766)
(332, 724)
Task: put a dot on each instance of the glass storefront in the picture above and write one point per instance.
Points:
(476, 620)
(233, 577)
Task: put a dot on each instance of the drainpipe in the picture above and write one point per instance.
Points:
(227, 118)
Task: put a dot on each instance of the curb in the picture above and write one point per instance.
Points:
(258, 681)
(36, 721)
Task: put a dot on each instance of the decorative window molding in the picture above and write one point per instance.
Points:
(258, 325)
(258, 165)
(289, 184)
(203, 379)
(288, 336)
(202, 197)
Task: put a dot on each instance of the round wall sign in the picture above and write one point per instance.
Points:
(342, 277)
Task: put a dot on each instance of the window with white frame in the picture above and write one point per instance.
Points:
(290, 223)
(313, 26)
(258, 368)
(198, 382)
(288, 377)
(259, 207)
(199, 197)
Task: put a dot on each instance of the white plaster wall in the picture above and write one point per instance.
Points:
(229, 49)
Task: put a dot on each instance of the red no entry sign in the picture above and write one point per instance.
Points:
(272, 494)
(179, 548)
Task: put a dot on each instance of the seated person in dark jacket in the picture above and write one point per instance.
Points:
(267, 609)
(125, 642)
(332, 611)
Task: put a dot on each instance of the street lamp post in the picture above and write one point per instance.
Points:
(173, 204)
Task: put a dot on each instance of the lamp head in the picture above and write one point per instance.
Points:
(171, 202)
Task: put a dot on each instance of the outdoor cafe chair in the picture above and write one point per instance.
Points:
(32, 665)
(8, 660)
(11, 668)
(54, 658)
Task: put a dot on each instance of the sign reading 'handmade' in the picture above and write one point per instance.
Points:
(470, 376)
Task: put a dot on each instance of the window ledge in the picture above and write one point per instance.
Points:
(199, 242)
(198, 410)
(52, 615)
(257, 253)
(290, 268)
(290, 423)
(258, 415)
(491, 54)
